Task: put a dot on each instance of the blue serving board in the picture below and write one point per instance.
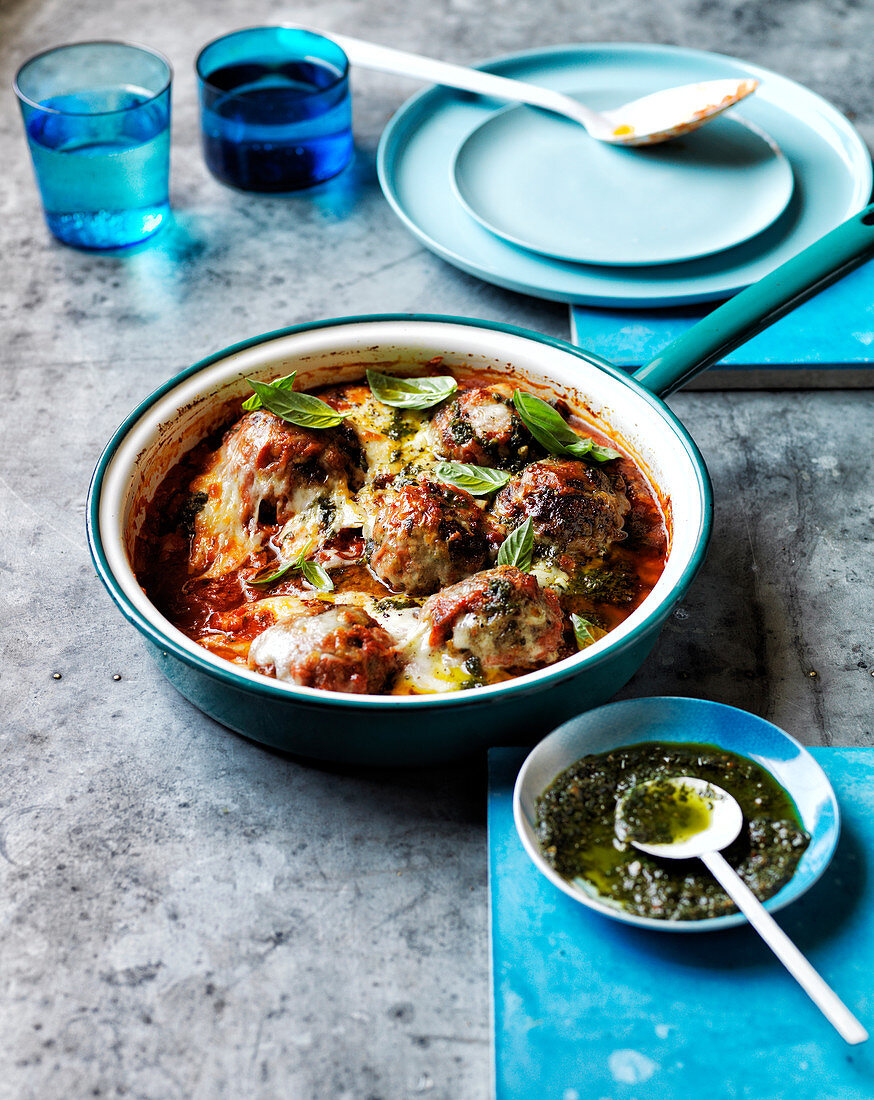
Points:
(586, 1008)
(828, 341)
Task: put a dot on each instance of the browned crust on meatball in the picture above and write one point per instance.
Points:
(355, 654)
(481, 426)
(265, 450)
(264, 441)
(427, 534)
(572, 505)
(513, 622)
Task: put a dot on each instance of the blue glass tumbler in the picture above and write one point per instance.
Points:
(276, 112)
(97, 119)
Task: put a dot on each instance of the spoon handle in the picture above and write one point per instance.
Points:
(388, 60)
(822, 995)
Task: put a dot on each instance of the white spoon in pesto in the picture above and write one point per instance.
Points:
(684, 817)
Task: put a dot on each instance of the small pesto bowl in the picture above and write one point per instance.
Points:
(684, 720)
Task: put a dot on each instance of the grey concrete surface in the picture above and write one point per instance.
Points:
(184, 914)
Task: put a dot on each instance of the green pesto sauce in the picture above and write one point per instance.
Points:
(664, 812)
(614, 586)
(576, 830)
(402, 424)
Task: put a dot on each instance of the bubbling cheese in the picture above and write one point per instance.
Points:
(275, 495)
(393, 440)
(321, 513)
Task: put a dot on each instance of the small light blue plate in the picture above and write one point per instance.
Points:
(676, 719)
(830, 163)
(540, 182)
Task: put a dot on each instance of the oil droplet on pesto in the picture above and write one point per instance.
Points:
(663, 812)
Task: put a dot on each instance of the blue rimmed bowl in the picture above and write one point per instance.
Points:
(395, 729)
(683, 720)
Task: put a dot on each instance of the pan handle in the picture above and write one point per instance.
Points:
(761, 304)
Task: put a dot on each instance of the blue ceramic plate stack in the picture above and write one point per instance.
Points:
(527, 201)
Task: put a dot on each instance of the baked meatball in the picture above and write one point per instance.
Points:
(270, 457)
(572, 505)
(339, 649)
(254, 475)
(482, 426)
(426, 534)
(500, 616)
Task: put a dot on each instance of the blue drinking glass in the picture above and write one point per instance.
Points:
(97, 119)
(276, 112)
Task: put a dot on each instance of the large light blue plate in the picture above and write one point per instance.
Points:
(540, 182)
(830, 163)
(665, 718)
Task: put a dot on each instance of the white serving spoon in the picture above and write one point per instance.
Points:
(654, 118)
(721, 817)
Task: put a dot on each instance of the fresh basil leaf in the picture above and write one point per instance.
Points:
(410, 393)
(316, 576)
(584, 631)
(278, 575)
(478, 480)
(542, 419)
(552, 431)
(286, 383)
(518, 547)
(310, 570)
(297, 408)
(603, 453)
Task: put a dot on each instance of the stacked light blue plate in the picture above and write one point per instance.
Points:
(528, 201)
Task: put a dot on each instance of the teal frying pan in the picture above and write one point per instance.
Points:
(428, 728)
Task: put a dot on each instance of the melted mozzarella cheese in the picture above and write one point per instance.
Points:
(549, 575)
(227, 531)
(321, 512)
(426, 668)
(494, 419)
(391, 439)
(280, 648)
(223, 537)
(291, 605)
(430, 669)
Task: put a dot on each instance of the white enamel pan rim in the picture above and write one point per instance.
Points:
(352, 339)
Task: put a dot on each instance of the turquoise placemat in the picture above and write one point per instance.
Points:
(585, 1008)
(827, 341)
